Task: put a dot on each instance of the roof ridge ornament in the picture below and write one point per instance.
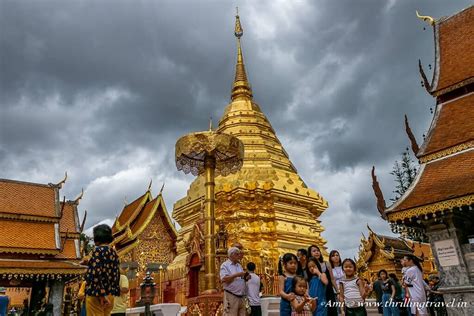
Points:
(425, 82)
(63, 203)
(83, 221)
(59, 185)
(371, 232)
(149, 185)
(426, 18)
(414, 145)
(381, 206)
(79, 197)
(162, 187)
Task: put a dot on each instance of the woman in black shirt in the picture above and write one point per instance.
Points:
(389, 304)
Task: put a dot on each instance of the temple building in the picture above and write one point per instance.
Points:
(377, 252)
(439, 204)
(145, 240)
(40, 246)
(266, 206)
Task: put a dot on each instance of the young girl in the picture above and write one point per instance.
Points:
(317, 286)
(287, 271)
(302, 305)
(314, 251)
(352, 290)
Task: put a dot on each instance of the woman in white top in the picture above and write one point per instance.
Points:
(335, 261)
(337, 272)
(414, 284)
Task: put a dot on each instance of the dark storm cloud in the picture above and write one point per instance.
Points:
(104, 88)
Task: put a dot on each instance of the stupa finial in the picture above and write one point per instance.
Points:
(241, 87)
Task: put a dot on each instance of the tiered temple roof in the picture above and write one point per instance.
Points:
(445, 179)
(378, 252)
(40, 233)
(135, 218)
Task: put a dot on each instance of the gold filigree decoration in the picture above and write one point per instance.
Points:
(431, 208)
(155, 245)
(192, 149)
(195, 244)
(128, 249)
(447, 152)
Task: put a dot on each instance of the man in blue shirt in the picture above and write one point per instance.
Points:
(4, 301)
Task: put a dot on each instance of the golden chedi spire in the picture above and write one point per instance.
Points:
(241, 87)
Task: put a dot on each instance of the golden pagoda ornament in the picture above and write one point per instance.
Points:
(209, 153)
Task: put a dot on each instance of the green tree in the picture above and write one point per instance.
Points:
(86, 244)
(404, 172)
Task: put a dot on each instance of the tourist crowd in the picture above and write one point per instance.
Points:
(311, 285)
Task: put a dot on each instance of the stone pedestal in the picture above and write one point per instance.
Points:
(456, 279)
(206, 304)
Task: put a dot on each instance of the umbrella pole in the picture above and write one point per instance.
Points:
(209, 218)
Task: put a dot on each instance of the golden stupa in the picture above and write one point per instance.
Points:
(265, 206)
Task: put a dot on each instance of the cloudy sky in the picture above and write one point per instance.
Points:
(103, 89)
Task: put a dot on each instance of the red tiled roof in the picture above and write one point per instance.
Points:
(440, 180)
(69, 250)
(27, 198)
(456, 49)
(25, 236)
(454, 125)
(68, 223)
